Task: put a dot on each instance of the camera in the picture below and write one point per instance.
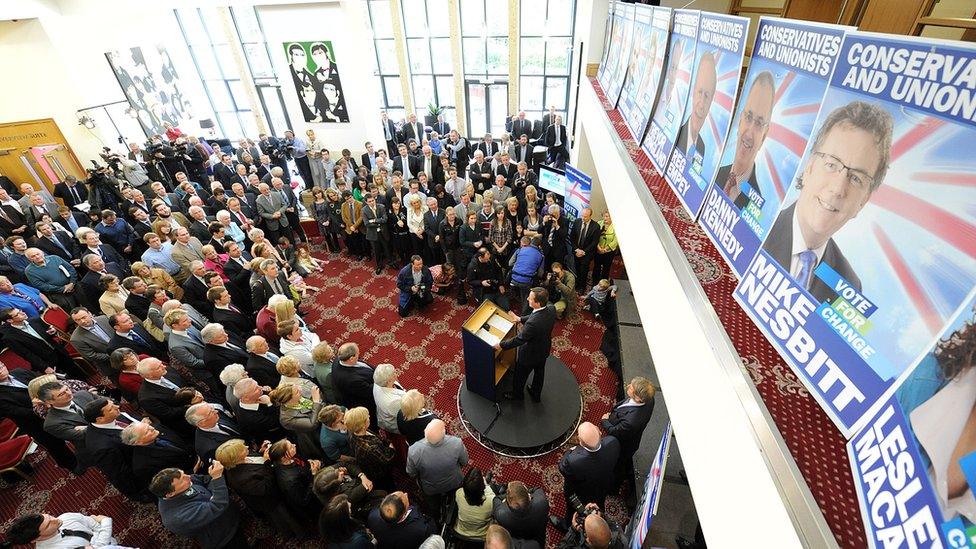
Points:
(582, 511)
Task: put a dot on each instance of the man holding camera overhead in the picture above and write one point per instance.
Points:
(414, 282)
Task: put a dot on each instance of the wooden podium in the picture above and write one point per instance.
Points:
(484, 367)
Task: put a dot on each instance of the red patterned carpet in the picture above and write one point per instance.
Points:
(816, 444)
(354, 305)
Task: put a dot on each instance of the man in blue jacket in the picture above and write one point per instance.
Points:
(414, 282)
(527, 267)
(199, 507)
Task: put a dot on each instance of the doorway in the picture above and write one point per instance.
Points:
(487, 108)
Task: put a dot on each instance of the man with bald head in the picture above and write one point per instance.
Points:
(702, 94)
(588, 470)
(593, 532)
(737, 178)
(436, 461)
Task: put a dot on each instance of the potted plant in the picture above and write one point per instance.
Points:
(433, 111)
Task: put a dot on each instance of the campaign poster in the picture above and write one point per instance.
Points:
(666, 121)
(606, 41)
(708, 112)
(641, 524)
(620, 61)
(788, 75)
(613, 47)
(892, 480)
(578, 190)
(874, 247)
(651, 26)
(316, 77)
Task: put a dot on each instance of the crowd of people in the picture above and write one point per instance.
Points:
(200, 379)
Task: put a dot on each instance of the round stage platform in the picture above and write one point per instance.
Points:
(525, 428)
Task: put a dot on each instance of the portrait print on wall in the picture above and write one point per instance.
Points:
(151, 85)
(316, 76)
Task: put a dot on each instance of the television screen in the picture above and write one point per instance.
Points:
(552, 180)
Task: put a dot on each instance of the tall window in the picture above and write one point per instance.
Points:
(546, 51)
(386, 60)
(427, 30)
(258, 58)
(484, 38)
(213, 58)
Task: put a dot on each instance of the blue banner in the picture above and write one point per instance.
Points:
(899, 507)
(641, 522)
(878, 228)
(788, 75)
(708, 112)
(659, 141)
(651, 27)
(578, 191)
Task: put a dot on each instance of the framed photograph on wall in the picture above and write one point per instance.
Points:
(151, 85)
(316, 76)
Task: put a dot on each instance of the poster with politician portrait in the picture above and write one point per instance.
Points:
(651, 26)
(874, 247)
(613, 45)
(315, 74)
(620, 62)
(666, 121)
(790, 68)
(151, 85)
(708, 112)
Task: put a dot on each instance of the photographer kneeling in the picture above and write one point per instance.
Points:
(590, 530)
(485, 277)
(562, 282)
(414, 282)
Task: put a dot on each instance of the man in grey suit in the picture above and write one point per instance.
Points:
(272, 211)
(186, 346)
(65, 419)
(374, 218)
(91, 338)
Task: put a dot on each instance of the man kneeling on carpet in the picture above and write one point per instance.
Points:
(415, 283)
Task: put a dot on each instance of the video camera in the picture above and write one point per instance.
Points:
(582, 511)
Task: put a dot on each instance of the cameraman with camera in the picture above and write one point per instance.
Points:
(561, 282)
(588, 471)
(591, 530)
(485, 277)
(414, 282)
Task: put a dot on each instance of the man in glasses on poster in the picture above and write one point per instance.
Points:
(750, 136)
(846, 164)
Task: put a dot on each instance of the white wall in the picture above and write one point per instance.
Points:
(346, 25)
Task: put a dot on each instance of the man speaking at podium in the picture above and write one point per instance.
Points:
(534, 342)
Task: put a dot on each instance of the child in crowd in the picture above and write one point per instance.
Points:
(435, 143)
(596, 299)
(307, 262)
(445, 277)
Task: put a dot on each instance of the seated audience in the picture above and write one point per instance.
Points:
(229, 376)
(255, 412)
(300, 416)
(387, 395)
(261, 362)
(373, 455)
(153, 450)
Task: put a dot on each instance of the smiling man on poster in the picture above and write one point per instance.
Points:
(701, 102)
(752, 131)
(847, 163)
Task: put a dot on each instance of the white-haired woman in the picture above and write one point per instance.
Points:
(387, 395)
(229, 376)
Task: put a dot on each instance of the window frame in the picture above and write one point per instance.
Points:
(546, 76)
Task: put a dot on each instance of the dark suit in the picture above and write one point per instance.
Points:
(557, 153)
(41, 353)
(779, 245)
(262, 370)
(354, 386)
(16, 405)
(260, 424)
(224, 174)
(586, 241)
(67, 251)
(432, 227)
(412, 163)
(626, 424)
(109, 255)
(262, 290)
(62, 191)
(589, 475)
(160, 402)
(682, 143)
(534, 343)
(527, 523)
(15, 220)
(62, 423)
(234, 322)
(389, 128)
(90, 289)
(481, 176)
(436, 171)
(217, 357)
(201, 230)
(442, 128)
(111, 457)
(148, 345)
(207, 514)
(413, 131)
(408, 533)
(488, 148)
(523, 154)
(206, 442)
(461, 155)
(165, 451)
(508, 171)
(742, 200)
(557, 250)
(195, 293)
(520, 128)
(137, 305)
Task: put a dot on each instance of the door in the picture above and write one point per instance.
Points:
(487, 108)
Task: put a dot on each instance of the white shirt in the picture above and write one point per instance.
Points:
(387, 406)
(800, 246)
(101, 533)
(302, 349)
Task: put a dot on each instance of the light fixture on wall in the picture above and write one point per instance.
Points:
(86, 121)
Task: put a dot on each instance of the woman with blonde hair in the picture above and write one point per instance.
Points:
(290, 370)
(300, 415)
(531, 197)
(112, 300)
(372, 454)
(413, 416)
(415, 222)
(154, 276)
